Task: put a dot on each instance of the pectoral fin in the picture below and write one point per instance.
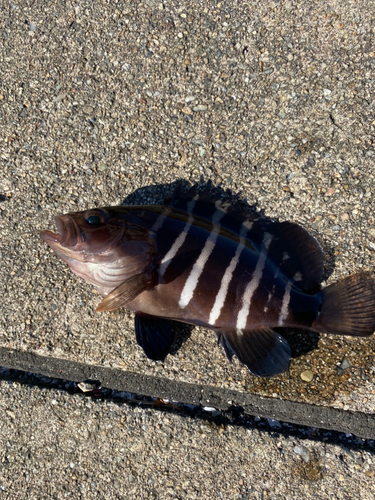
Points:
(263, 351)
(154, 335)
(125, 293)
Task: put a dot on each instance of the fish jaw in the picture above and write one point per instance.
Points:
(67, 241)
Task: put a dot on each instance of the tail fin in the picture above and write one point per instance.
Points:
(348, 307)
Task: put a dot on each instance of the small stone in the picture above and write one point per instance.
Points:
(303, 452)
(327, 93)
(371, 245)
(311, 161)
(189, 98)
(187, 111)
(59, 98)
(330, 192)
(88, 109)
(345, 364)
(307, 375)
(345, 216)
(200, 107)
(86, 387)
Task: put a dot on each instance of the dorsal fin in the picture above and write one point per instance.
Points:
(298, 255)
(293, 250)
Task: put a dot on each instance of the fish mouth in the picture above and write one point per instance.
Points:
(67, 238)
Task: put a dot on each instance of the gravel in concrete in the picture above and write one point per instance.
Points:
(59, 445)
(100, 99)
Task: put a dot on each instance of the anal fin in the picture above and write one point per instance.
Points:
(124, 293)
(154, 335)
(263, 351)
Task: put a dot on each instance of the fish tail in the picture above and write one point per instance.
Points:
(348, 307)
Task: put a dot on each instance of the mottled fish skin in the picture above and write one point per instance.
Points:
(201, 260)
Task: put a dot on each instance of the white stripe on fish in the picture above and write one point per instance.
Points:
(285, 305)
(192, 281)
(228, 275)
(179, 240)
(254, 283)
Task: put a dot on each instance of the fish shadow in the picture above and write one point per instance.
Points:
(157, 193)
(182, 334)
(300, 341)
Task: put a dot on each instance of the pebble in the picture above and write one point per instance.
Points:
(200, 107)
(303, 452)
(187, 110)
(327, 93)
(88, 109)
(307, 375)
(311, 161)
(345, 364)
(86, 387)
(345, 216)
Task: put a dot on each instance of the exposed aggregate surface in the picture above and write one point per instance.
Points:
(55, 444)
(100, 99)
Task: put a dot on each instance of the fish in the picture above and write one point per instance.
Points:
(206, 260)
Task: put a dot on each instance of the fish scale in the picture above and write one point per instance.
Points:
(208, 261)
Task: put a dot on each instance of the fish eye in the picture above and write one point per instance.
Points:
(95, 217)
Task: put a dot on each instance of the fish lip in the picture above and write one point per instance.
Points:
(50, 237)
(68, 233)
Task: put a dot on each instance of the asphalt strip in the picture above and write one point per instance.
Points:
(360, 424)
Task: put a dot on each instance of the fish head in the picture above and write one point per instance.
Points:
(105, 246)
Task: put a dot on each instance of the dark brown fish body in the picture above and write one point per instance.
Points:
(205, 262)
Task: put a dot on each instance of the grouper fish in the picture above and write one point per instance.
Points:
(207, 261)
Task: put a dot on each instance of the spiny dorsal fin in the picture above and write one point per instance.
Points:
(293, 249)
